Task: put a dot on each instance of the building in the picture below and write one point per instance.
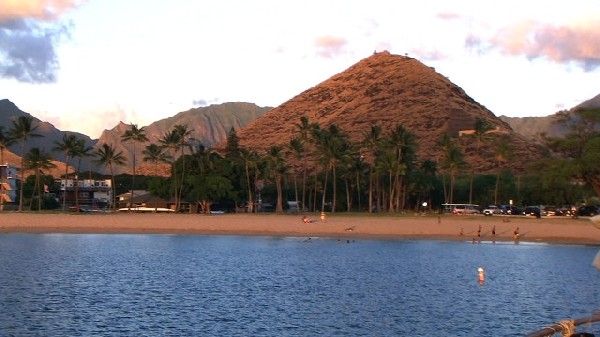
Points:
(89, 192)
(8, 185)
(143, 198)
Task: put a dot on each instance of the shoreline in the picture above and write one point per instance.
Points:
(557, 230)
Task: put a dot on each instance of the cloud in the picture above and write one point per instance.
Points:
(35, 9)
(329, 46)
(27, 51)
(28, 38)
(448, 16)
(428, 54)
(561, 44)
(204, 102)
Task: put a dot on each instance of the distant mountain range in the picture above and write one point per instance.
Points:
(382, 89)
(532, 127)
(209, 125)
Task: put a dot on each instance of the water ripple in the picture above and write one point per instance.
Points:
(169, 285)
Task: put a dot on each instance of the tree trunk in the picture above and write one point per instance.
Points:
(471, 187)
(278, 185)
(334, 183)
(303, 184)
(348, 197)
(250, 201)
(324, 191)
(496, 189)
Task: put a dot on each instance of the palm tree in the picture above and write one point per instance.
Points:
(108, 156)
(401, 143)
(22, 129)
(80, 151)
(425, 180)
(68, 146)
(156, 154)
(452, 163)
(502, 154)
(372, 140)
(177, 139)
(385, 162)
(304, 129)
(250, 159)
(332, 145)
(277, 168)
(480, 134)
(296, 149)
(5, 142)
(170, 141)
(38, 160)
(134, 135)
(184, 142)
(353, 169)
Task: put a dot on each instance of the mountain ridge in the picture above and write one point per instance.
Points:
(387, 90)
(357, 97)
(533, 127)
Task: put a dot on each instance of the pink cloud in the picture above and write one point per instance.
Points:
(428, 54)
(329, 46)
(38, 9)
(561, 44)
(448, 16)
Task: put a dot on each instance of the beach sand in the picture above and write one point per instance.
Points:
(339, 225)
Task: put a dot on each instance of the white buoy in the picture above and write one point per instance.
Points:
(481, 275)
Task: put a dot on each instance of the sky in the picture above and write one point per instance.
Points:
(86, 65)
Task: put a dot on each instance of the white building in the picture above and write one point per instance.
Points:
(86, 191)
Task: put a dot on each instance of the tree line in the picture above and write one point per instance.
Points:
(321, 169)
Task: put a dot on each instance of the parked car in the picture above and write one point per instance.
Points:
(588, 210)
(567, 210)
(553, 211)
(491, 210)
(532, 211)
(467, 210)
(510, 210)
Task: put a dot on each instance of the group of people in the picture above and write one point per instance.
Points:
(516, 234)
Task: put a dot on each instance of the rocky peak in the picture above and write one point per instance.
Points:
(388, 89)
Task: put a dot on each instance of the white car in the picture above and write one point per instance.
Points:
(491, 210)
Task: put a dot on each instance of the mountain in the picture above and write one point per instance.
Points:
(532, 127)
(209, 125)
(15, 161)
(590, 103)
(388, 89)
(10, 112)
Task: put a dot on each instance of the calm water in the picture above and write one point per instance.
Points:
(175, 285)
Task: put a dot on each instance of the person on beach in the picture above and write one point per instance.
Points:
(494, 230)
(516, 233)
(306, 220)
(479, 231)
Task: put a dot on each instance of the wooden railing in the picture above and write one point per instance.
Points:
(560, 326)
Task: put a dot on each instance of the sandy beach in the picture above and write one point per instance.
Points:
(445, 227)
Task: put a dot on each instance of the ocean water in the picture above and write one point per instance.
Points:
(194, 285)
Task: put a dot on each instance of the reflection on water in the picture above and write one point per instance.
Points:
(173, 285)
